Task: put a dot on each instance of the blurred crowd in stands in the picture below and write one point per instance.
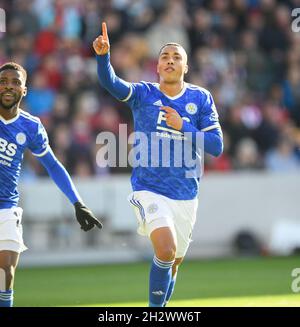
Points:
(244, 51)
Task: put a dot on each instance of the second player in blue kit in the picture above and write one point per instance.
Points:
(20, 131)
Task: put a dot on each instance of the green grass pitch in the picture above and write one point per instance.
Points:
(223, 282)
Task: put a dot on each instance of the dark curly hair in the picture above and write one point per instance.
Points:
(14, 66)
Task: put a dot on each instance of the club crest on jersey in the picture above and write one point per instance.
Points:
(191, 108)
(21, 138)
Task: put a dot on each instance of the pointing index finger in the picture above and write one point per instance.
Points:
(104, 31)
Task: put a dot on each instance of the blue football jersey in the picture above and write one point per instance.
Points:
(21, 132)
(195, 105)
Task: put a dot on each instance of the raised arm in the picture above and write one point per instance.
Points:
(117, 87)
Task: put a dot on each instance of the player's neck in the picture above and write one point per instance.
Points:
(171, 89)
(9, 114)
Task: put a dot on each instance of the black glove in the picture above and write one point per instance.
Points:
(85, 217)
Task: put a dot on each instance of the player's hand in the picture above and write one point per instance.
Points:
(173, 118)
(85, 217)
(101, 43)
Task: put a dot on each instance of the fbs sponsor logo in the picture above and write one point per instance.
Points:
(2, 21)
(7, 152)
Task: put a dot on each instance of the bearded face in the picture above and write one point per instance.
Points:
(12, 88)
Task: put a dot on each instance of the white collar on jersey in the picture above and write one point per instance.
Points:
(175, 96)
(9, 121)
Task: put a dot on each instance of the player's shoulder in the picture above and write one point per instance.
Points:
(197, 89)
(29, 123)
(27, 117)
(144, 89)
(149, 86)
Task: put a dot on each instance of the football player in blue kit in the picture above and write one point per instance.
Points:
(164, 198)
(18, 131)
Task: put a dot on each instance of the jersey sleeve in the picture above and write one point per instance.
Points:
(138, 91)
(116, 86)
(39, 146)
(209, 118)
